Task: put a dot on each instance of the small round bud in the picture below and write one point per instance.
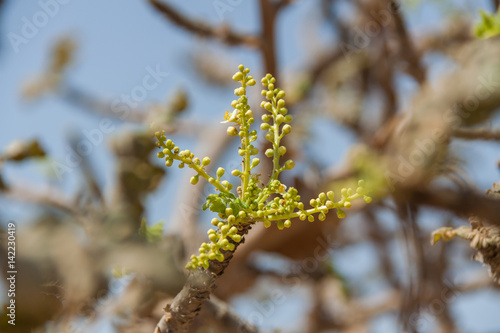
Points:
(322, 197)
(282, 150)
(270, 136)
(288, 118)
(287, 129)
(251, 82)
(281, 94)
(232, 131)
(233, 230)
(269, 152)
(280, 119)
(220, 172)
(288, 224)
(242, 214)
(322, 216)
(270, 87)
(238, 76)
(224, 229)
(281, 103)
(313, 203)
(241, 68)
(310, 218)
(340, 214)
(302, 217)
(241, 152)
(234, 104)
(215, 222)
(231, 219)
(367, 199)
(211, 180)
(300, 206)
(213, 237)
(236, 173)
(266, 117)
(263, 126)
(330, 195)
(267, 224)
(169, 162)
(347, 204)
(289, 165)
(181, 165)
(236, 238)
(194, 180)
(229, 211)
(269, 95)
(255, 162)
(280, 225)
(205, 161)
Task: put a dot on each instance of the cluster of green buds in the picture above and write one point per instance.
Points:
(254, 200)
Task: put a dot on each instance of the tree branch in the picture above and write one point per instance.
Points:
(222, 33)
(199, 285)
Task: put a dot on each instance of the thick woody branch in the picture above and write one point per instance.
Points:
(222, 33)
(199, 285)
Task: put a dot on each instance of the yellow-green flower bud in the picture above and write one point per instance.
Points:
(205, 161)
(169, 162)
(224, 242)
(282, 150)
(280, 225)
(300, 206)
(230, 247)
(269, 96)
(231, 219)
(266, 117)
(220, 257)
(287, 224)
(229, 211)
(215, 222)
(287, 129)
(181, 165)
(236, 238)
(289, 165)
(367, 199)
(347, 204)
(236, 172)
(267, 224)
(288, 118)
(160, 154)
(241, 68)
(310, 218)
(242, 214)
(213, 237)
(238, 76)
(211, 256)
(224, 229)
(251, 82)
(281, 103)
(220, 172)
(302, 217)
(231, 131)
(313, 203)
(270, 136)
(234, 104)
(322, 197)
(321, 216)
(330, 195)
(269, 152)
(194, 180)
(255, 162)
(270, 87)
(280, 119)
(281, 94)
(263, 126)
(340, 214)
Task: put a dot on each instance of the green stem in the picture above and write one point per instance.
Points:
(198, 169)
